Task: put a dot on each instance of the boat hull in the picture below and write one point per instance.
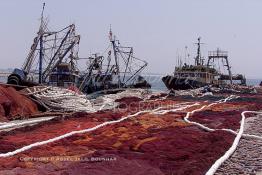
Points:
(174, 83)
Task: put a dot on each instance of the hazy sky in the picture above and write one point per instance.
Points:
(157, 29)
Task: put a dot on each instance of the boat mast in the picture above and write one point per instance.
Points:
(41, 33)
(113, 41)
(186, 54)
(198, 59)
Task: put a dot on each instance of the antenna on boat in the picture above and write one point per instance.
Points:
(110, 34)
(186, 54)
(113, 41)
(41, 32)
(198, 59)
(42, 14)
(177, 59)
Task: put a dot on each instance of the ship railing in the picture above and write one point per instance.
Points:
(218, 53)
(194, 74)
(202, 76)
(4, 74)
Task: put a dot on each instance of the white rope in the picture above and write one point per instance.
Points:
(25, 148)
(232, 149)
(68, 100)
(229, 152)
(25, 122)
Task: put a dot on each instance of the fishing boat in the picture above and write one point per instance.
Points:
(118, 69)
(50, 58)
(202, 74)
(53, 56)
(64, 75)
